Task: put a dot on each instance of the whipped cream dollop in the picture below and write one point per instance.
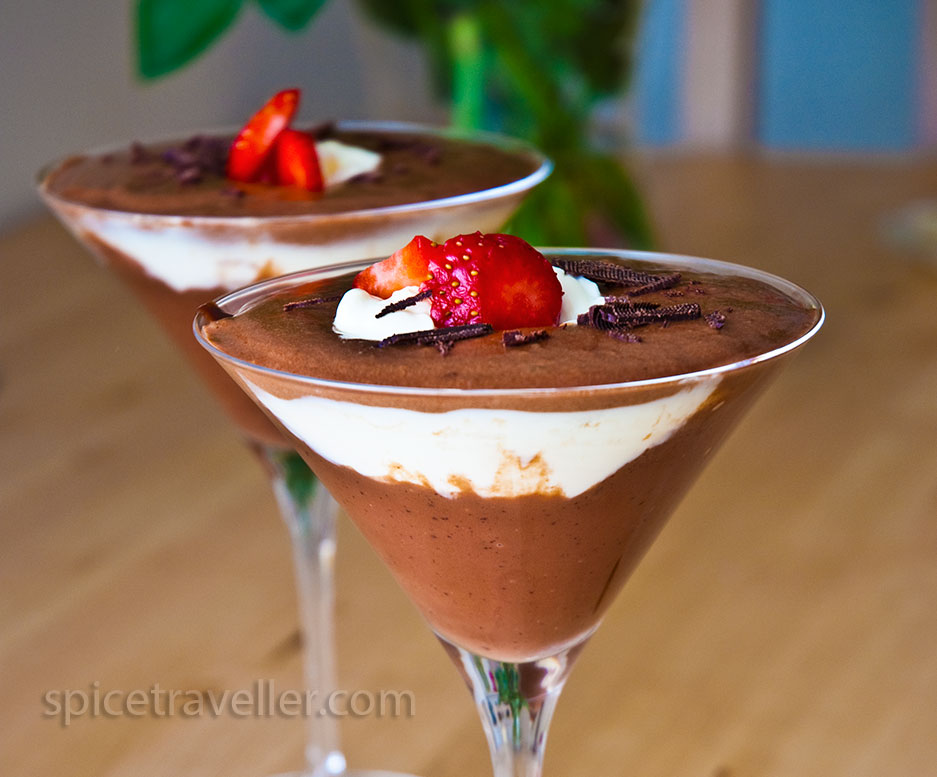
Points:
(341, 162)
(579, 294)
(355, 317)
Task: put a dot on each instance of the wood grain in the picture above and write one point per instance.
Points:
(784, 624)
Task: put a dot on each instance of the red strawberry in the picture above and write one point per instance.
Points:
(408, 266)
(495, 279)
(255, 140)
(297, 163)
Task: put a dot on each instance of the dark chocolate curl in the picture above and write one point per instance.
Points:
(603, 271)
(515, 337)
(658, 284)
(310, 302)
(622, 316)
(446, 334)
(716, 319)
(402, 304)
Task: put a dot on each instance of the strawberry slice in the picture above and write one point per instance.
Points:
(297, 163)
(494, 279)
(256, 139)
(408, 266)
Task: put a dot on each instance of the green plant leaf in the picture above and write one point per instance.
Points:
(292, 15)
(415, 18)
(403, 17)
(171, 33)
(468, 71)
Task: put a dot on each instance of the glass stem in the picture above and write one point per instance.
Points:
(309, 513)
(515, 703)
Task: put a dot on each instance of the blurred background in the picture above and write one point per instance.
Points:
(823, 77)
(783, 624)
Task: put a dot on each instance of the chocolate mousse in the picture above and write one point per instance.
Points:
(168, 221)
(187, 177)
(513, 480)
(755, 317)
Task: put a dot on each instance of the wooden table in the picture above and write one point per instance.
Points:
(784, 624)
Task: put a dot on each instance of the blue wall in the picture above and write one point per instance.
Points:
(657, 94)
(838, 75)
(831, 75)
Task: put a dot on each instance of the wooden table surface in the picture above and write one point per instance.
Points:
(784, 624)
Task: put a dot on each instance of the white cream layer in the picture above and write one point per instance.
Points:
(493, 453)
(355, 314)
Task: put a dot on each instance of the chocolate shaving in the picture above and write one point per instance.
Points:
(659, 283)
(402, 304)
(446, 334)
(430, 154)
(310, 302)
(189, 175)
(716, 319)
(610, 272)
(618, 316)
(515, 337)
(607, 272)
(197, 157)
(595, 318)
(630, 303)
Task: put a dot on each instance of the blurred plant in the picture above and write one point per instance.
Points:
(529, 68)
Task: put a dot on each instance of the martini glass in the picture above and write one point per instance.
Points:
(175, 263)
(511, 517)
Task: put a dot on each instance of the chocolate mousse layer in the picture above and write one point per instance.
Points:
(414, 168)
(522, 564)
(739, 318)
(517, 579)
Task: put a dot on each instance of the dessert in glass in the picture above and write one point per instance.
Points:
(512, 460)
(168, 218)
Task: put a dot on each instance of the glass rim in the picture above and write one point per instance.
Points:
(500, 141)
(238, 300)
